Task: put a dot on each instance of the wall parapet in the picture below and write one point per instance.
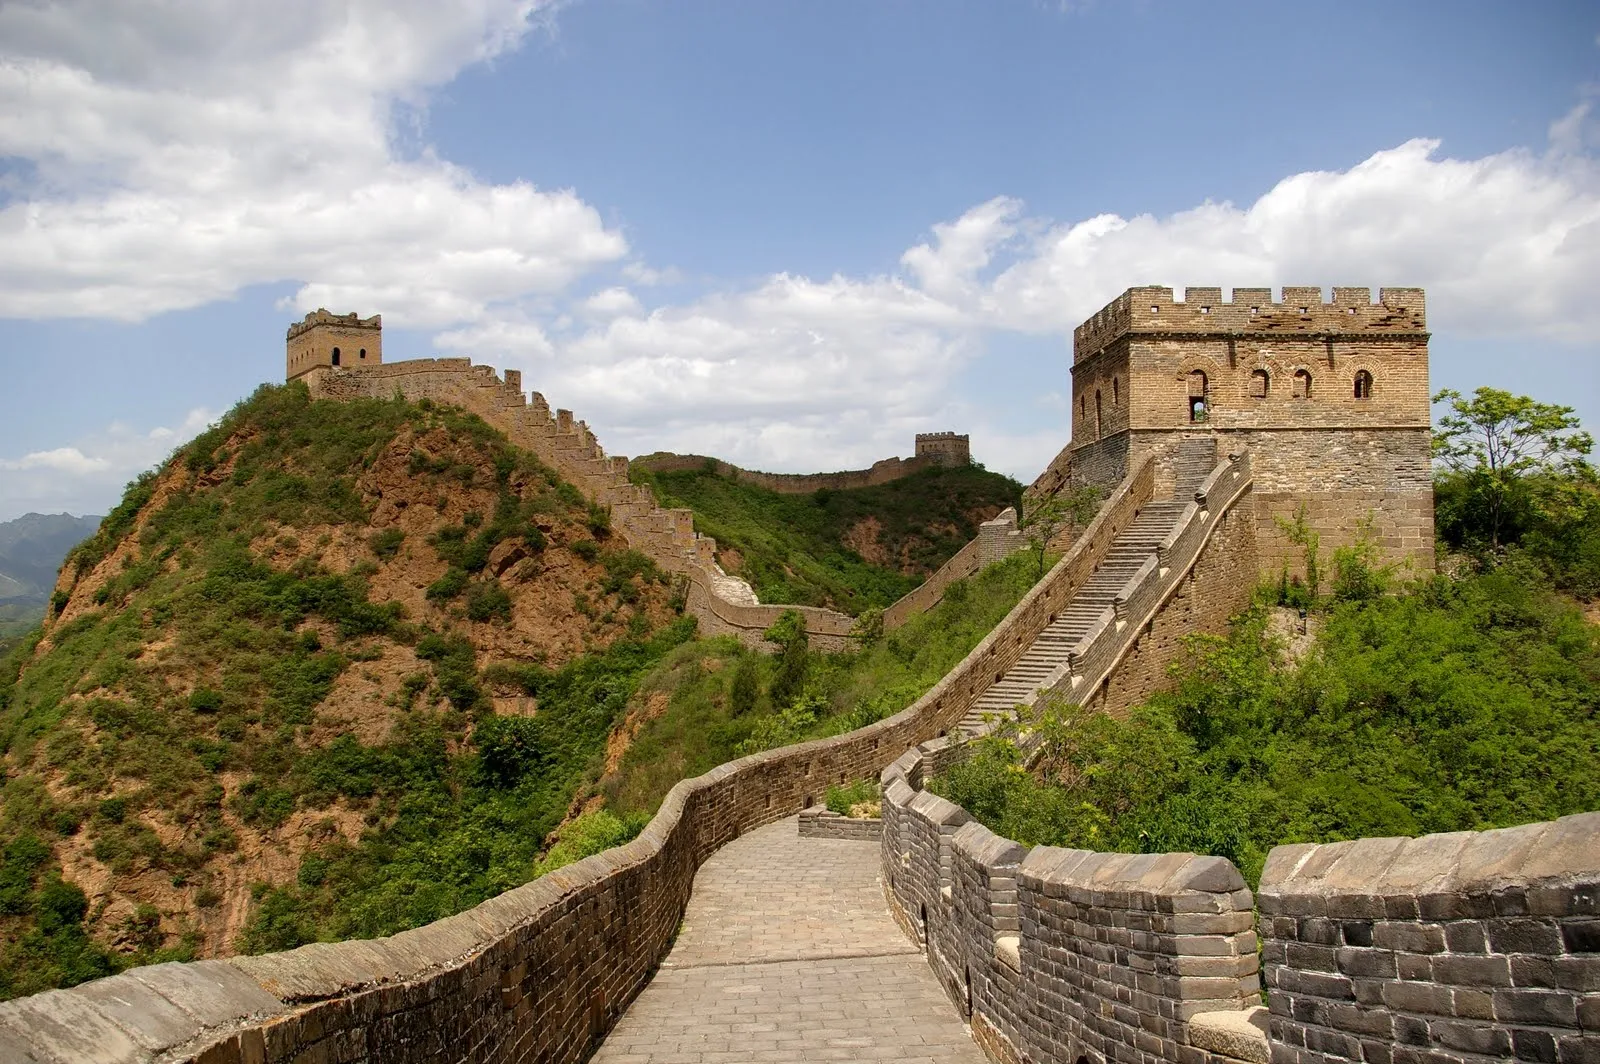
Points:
(724, 605)
(1057, 954)
(1152, 310)
(883, 471)
(1476, 945)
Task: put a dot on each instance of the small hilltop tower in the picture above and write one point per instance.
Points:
(323, 339)
(945, 448)
(1330, 398)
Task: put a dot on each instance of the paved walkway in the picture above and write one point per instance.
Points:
(788, 953)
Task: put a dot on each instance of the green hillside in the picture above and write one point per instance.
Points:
(1463, 700)
(341, 669)
(848, 550)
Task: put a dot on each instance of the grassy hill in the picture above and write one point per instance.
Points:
(340, 669)
(283, 663)
(1460, 704)
(847, 550)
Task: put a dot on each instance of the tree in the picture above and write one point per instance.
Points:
(1497, 442)
(789, 632)
(1048, 517)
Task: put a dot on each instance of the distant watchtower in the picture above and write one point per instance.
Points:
(1330, 398)
(945, 448)
(325, 339)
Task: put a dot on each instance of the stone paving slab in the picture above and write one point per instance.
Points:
(788, 953)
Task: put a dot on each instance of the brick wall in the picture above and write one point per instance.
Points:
(1060, 955)
(1447, 948)
(883, 471)
(541, 972)
(667, 536)
(819, 823)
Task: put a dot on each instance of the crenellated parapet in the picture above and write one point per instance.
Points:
(1153, 310)
(724, 604)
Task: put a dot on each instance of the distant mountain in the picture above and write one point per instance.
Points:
(31, 551)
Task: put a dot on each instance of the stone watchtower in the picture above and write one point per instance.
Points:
(945, 448)
(323, 339)
(1330, 398)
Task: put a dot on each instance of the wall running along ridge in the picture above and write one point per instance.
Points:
(541, 972)
(1399, 950)
(666, 536)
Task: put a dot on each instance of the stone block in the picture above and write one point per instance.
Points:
(213, 992)
(1240, 1035)
(64, 1028)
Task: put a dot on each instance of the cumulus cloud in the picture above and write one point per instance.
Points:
(87, 476)
(174, 154)
(180, 152)
(800, 373)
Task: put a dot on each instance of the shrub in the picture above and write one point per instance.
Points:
(842, 799)
(386, 544)
(509, 748)
(452, 583)
(487, 600)
(587, 549)
(205, 700)
(746, 687)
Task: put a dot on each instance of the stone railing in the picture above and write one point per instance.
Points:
(1460, 947)
(1060, 955)
(1091, 661)
(1451, 948)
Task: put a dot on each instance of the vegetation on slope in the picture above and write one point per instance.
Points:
(265, 711)
(848, 550)
(1462, 702)
(713, 700)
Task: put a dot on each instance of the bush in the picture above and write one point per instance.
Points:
(487, 600)
(509, 748)
(386, 544)
(452, 583)
(843, 798)
(587, 549)
(746, 687)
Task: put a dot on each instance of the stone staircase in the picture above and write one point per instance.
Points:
(1130, 550)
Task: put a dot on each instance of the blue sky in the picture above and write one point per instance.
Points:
(790, 234)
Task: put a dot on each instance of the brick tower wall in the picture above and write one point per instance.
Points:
(1280, 378)
(311, 343)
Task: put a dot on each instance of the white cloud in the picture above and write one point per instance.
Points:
(797, 373)
(183, 151)
(68, 460)
(87, 476)
(610, 302)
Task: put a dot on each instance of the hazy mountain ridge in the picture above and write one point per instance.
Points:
(32, 548)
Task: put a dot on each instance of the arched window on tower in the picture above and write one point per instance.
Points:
(1259, 382)
(1302, 384)
(1363, 384)
(1098, 431)
(336, 356)
(362, 353)
(1199, 400)
(1116, 392)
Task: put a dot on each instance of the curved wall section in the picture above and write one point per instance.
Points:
(541, 972)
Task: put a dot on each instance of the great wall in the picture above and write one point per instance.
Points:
(707, 938)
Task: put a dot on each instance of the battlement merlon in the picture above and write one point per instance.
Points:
(1152, 309)
(322, 316)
